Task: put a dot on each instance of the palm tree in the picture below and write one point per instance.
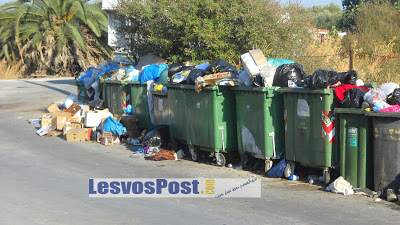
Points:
(53, 36)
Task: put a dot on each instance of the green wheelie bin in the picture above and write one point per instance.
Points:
(310, 129)
(161, 108)
(211, 119)
(139, 102)
(84, 95)
(260, 126)
(178, 127)
(355, 147)
(116, 96)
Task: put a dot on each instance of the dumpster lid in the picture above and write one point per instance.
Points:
(384, 114)
(255, 89)
(305, 90)
(159, 93)
(350, 111)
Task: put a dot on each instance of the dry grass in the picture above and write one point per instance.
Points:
(381, 66)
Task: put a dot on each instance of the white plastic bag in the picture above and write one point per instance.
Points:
(340, 185)
(71, 99)
(268, 74)
(388, 88)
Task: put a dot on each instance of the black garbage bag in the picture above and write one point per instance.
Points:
(175, 68)
(323, 78)
(194, 74)
(156, 136)
(394, 98)
(353, 98)
(220, 66)
(286, 72)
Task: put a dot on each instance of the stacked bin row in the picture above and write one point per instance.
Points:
(268, 122)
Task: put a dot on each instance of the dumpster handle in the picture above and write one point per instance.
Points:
(222, 135)
(272, 134)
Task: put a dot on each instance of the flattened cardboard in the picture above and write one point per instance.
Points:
(73, 109)
(211, 80)
(53, 108)
(258, 57)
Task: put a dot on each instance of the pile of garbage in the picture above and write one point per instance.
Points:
(80, 122)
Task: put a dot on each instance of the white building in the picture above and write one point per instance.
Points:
(114, 39)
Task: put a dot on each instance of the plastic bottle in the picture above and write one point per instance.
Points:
(294, 177)
(312, 179)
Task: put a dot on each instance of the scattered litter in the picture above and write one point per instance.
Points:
(378, 199)
(340, 185)
(180, 154)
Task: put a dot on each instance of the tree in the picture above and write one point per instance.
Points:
(53, 37)
(195, 30)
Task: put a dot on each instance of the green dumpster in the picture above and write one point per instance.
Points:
(161, 108)
(310, 129)
(211, 118)
(139, 102)
(356, 147)
(116, 96)
(84, 94)
(260, 126)
(178, 127)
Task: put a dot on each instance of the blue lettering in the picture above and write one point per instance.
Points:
(114, 186)
(149, 187)
(173, 187)
(195, 184)
(126, 187)
(186, 187)
(161, 183)
(102, 187)
(137, 187)
(91, 191)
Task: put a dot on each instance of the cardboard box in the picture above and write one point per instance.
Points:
(53, 108)
(46, 120)
(258, 57)
(61, 121)
(93, 119)
(85, 108)
(61, 113)
(76, 135)
(107, 141)
(73, 109)
(211, 80)
(70, 126)
(109, 135)
(76, 119)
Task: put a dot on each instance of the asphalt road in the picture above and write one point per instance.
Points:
(44, 180)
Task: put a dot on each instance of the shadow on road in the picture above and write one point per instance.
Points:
(49, 87)
(63, 81)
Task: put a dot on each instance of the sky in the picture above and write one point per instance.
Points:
(307, 3)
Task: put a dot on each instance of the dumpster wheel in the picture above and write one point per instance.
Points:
(194, 154)
(268, 165)
(289, 169)
(220, 159)
(327, 175)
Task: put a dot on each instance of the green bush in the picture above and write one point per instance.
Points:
(193, 30)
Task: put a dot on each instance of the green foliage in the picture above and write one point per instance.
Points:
(195, 30)
(52, 35)
(326, 16)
